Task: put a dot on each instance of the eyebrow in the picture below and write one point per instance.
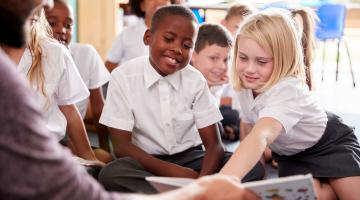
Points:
(257, 57)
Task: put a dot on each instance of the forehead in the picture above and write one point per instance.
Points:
(177, 24)
(215, 48)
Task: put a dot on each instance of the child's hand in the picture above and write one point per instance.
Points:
(179, 171)
(89, 163)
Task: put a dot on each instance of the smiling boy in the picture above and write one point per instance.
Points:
(160, 111)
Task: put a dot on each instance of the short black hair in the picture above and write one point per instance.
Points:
(136, 9)
(210, 34)
(13, 15)
(171, 10)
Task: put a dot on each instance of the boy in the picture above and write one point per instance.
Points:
(159, 110)
(235, 16)
(211, 57)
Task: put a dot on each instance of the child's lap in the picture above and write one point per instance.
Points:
(337, 154)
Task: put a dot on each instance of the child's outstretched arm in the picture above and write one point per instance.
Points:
(264, 132)
(77, 132)
(123, 147)
(214, 150)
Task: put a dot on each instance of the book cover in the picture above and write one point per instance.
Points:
(299, 187)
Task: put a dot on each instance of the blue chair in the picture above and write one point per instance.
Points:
(331, 27)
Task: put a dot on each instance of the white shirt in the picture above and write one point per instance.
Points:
(129, 44)
(91, 68)
(63, 84)
(295, 107)
(163, 113)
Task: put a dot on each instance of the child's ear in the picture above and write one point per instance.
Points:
(147, 37)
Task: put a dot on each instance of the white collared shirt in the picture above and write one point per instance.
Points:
(63, 84)
(163, 113)
(129, 44)
(294, 106)
(91, 68)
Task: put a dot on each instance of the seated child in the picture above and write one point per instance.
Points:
(160, 111)
(281, 112)
(52, 74)
(88, 62)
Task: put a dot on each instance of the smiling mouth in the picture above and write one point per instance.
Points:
(250, 79)
(172, 61)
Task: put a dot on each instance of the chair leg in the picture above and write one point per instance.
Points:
(323, 59)
(337, 60)
(351, 69)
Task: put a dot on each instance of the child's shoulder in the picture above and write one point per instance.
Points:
(132, 67)
(192, 73)
(82, 48)
(53, 49)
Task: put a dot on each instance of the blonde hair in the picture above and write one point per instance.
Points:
(40, 30)
(275, 32)
(308, 17)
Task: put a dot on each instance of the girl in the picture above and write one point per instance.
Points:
(129, 43)
(279, 111)
(51, 72)
(92, 69)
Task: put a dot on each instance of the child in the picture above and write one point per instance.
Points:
(52, 74)
(211, 57)
(128, 44)
(235, 15)
(92, 70)
(160, 110)
(281, 112)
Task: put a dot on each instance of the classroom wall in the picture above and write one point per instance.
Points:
(97, 23)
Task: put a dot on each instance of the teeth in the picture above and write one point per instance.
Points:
(172, 60)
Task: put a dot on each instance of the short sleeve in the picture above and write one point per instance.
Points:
(282, 105)
(99, 74)
(116, 52)
(71, 88)
(205, 108)
(117, 112)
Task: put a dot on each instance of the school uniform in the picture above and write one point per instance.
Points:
(163, 114)
(312, 141)
(63, 84)
(129, 44)
(91, 69)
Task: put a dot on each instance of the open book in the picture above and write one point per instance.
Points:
(292, 187)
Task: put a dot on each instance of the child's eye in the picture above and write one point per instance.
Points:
(168, 39)
(214, 58)
(243, 58)
(262, 62)
(68, 26)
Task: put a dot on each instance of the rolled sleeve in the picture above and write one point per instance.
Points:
(117, 112)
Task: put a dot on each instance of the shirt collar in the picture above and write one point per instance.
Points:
(151, 76)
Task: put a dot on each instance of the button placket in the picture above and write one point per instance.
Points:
(164, 92)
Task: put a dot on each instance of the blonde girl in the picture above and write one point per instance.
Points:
(52, 74)
(280, 112)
